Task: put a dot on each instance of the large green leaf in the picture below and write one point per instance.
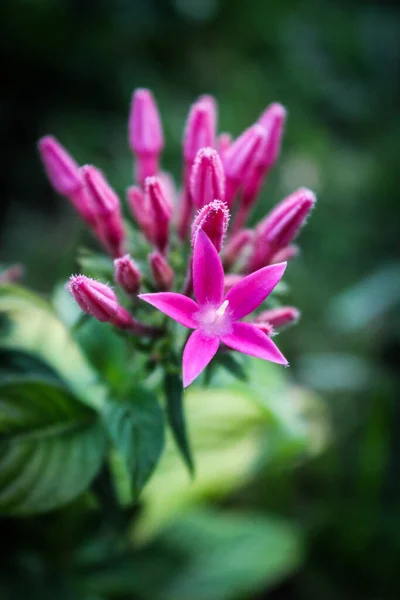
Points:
(51, 446)
(234, 429)
(203, 555)
(136, 426)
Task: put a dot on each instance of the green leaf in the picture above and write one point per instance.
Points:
(203, 555)
(51, 446)
(136, 426)
(233, 555)
(176, 416)
(17, 364)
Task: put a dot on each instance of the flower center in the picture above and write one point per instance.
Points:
(215, 320)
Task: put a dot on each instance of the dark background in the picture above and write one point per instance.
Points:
(69, 68)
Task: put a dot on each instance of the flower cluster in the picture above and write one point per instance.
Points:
(229, 271)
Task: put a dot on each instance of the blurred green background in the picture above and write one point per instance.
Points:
(69, 68)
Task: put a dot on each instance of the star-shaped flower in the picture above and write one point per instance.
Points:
(216, 318)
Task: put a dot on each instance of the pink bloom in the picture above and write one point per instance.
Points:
(213, 220)
(127, 274)
(145, 134)
(207, 180)
(216, 318)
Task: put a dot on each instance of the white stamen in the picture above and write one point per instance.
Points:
(221, 310)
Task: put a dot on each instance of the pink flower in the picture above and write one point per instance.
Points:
(216, 318)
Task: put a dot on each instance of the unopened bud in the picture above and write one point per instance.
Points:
(145, 134)
(127, 274)
(106, 206)
(213, 219)
(99, 301)
(285, 254)
(241, 156)
(230, 281)
(265, 327)
(65, 176)
(200, 128)
(207, 182)
(224, 141)
(161, 271)
(279, 317)
(141, 211)
(281, 226)
(236, 245)
(273, 119)
(61, 169)
(161, 211)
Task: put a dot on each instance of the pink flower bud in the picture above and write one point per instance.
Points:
(224, 141)
(161, 211)
(207, 181)
(162, 273)
(145, 134)
(231, 280)
(265, 327)
(168, 185)
(105, 200)
(241, 156)
(236, 245)
(200, 128)
(61, 169)
(106, 206)
(213, 220)
(145, 129)
(141, 211)
(273, 119)
(127, 274)
(281, 226)
(99, 301)
(285, 254)
(65, 176)
(279, 317)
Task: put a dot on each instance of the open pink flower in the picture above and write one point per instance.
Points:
(216, 318)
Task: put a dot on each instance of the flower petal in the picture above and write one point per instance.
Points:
(208, 273)
(250, 340)
(247, 295)
(198, 352)
(177, 306)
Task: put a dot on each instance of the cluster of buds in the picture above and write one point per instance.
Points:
(221, 177)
